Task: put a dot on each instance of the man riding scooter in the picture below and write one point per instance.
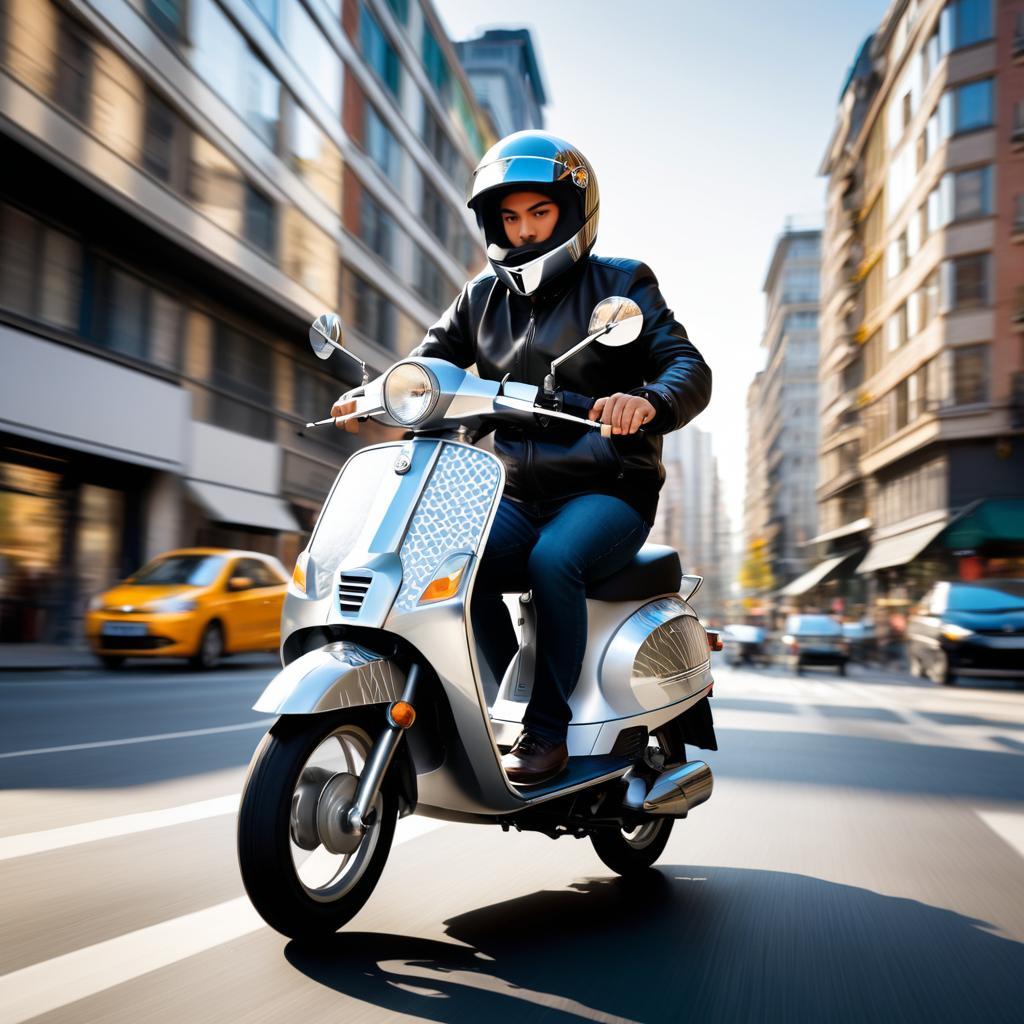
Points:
(577, 506)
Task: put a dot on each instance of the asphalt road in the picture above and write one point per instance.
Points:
(862, 859)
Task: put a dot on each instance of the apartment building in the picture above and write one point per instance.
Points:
(921, 466)
(186, 184)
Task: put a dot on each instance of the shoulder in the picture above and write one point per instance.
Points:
(621, 267)
(482, 284)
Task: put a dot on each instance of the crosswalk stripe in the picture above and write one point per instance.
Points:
(263, 723)
(109, 828)
(65, 979)
(1008, 825)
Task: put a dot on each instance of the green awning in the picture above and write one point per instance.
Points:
(995, 520)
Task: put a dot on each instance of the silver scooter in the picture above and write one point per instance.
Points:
(386, 705)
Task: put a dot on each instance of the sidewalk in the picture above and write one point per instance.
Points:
(44, 658)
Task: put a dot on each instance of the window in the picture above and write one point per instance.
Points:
(378, 51)
(372, 314)
(168, 16)
(376, 227)
(259, 225)
(970, 375)
(381, 145)
(437, 141)
(430, 282)
(312, 155)
(258, 573)
(436, 64)
(309, 255)
(123, 314)
(435, 213)
(60, 296)
(930, 291)
(74, 69)
(972, 22)
(242, 367)
(165, 143)
(267, 10)
(970, 281)
(896, 329)
(400, 8)
(216, 185)
(973, 106)
(972, 193)
(312, 52)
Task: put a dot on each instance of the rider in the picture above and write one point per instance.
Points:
(577, 506)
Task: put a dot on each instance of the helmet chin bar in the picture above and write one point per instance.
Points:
(527, 278)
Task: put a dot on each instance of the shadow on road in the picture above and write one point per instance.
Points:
(686, 944)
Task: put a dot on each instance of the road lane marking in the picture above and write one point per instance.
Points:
(1008, 825)
(263, 723)
(110, 828)
(65, 979)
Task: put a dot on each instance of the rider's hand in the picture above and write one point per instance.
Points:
(626, 413)
(341, 408)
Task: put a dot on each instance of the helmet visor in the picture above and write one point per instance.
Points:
(517, 170)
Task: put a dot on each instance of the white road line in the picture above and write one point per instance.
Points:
(1008, 825)
(109, 828)
(263, 723)
(54, 983)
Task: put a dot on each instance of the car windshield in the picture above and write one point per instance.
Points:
(1004, 596)
(814, 625)
(186, 570)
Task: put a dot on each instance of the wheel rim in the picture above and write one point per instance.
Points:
(323, 875)
(643, 835)
(211, 645)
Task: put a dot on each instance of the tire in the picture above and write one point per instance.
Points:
(112, 662)
(841, 668)
(211, 648)
(939, 671)
(915, 666)
(629, 854)
(272, 865)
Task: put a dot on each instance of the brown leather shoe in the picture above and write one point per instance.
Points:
(534, 759)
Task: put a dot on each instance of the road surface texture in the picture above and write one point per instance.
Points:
(861, 859)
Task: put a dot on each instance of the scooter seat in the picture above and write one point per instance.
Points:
(654, 570)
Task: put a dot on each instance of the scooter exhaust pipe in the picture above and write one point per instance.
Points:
(677, 791)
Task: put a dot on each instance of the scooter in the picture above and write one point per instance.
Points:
(388, 708)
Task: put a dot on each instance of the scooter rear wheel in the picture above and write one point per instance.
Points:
(303, 892)
(626, 853)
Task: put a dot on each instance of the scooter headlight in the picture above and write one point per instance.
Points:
(410, 393)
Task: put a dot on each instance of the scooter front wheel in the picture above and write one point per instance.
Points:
(627, 852)
(296, 884)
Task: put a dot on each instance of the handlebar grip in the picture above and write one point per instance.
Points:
(606, 430)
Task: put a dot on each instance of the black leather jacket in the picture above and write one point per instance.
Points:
(504, 334)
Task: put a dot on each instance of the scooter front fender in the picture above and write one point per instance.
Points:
(339, 675)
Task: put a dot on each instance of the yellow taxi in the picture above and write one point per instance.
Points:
(195, 603)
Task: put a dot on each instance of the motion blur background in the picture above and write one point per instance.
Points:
(831, 193)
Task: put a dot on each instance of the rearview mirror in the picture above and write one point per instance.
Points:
(326, 335)
(621, 318)
(239, 583)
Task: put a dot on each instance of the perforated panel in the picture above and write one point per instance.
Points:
(450, 517)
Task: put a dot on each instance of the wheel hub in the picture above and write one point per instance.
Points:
(302, 823)
(333, 823)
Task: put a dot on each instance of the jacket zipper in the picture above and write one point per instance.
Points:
(531, 330)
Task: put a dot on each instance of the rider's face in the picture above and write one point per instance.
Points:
(529, 218)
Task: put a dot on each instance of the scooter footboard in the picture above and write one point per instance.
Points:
(339, 675)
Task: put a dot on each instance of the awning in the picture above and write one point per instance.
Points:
(813, 577)
(842, 531)
(244, 508)
(993, 521)
(902, 548)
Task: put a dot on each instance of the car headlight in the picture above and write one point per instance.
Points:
(951, 631)
(172, 604)
(410, 393)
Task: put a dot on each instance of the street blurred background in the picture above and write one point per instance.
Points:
(832, 196)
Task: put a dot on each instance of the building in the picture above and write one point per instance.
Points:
(782, 435)
(503, 69)
(186, 185)
(691, 516)
(922, 361)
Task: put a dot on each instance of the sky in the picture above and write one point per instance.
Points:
(706, 122)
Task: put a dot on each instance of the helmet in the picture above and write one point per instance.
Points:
(536, 161)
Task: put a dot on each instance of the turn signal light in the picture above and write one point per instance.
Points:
(299, 572)
(714, 640)
(446, 583)
(402, 714)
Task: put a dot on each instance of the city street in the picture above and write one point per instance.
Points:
(862, 858)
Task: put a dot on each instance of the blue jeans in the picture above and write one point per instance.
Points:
(553, 551)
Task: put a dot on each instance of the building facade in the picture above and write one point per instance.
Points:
(922, 362)
(503, 69)
(782, 434)
(186, 185)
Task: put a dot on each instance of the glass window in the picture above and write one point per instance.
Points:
(312, 155)
(309, 48)
(222, 56)
(168, 16)
(259, 573)
(376, 227)
(267, 10)
(242, 365)
(440, 145)
(972, 22)
(435, 213)
(123, 314)
(259, 219)
(378, 51)
(190, 570)
(970, 281)
(973, 106)
(896, 329)
(165, 143)
(400, 9)
(435, 63)
(930, 288)
(74, 69)
(381, 145)
(970, 375)
(61, 285)
(216, 185)
(371, 313)
(430, 282)
(18, 240)
(972, 193)
(310, 256)
(166, 320)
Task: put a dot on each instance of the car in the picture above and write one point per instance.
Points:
(194, 603)
(861, 640)
(744, 644)
(814, 640)
(968, 628)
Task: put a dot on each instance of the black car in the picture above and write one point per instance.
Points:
(814, 640)
(972, 629)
